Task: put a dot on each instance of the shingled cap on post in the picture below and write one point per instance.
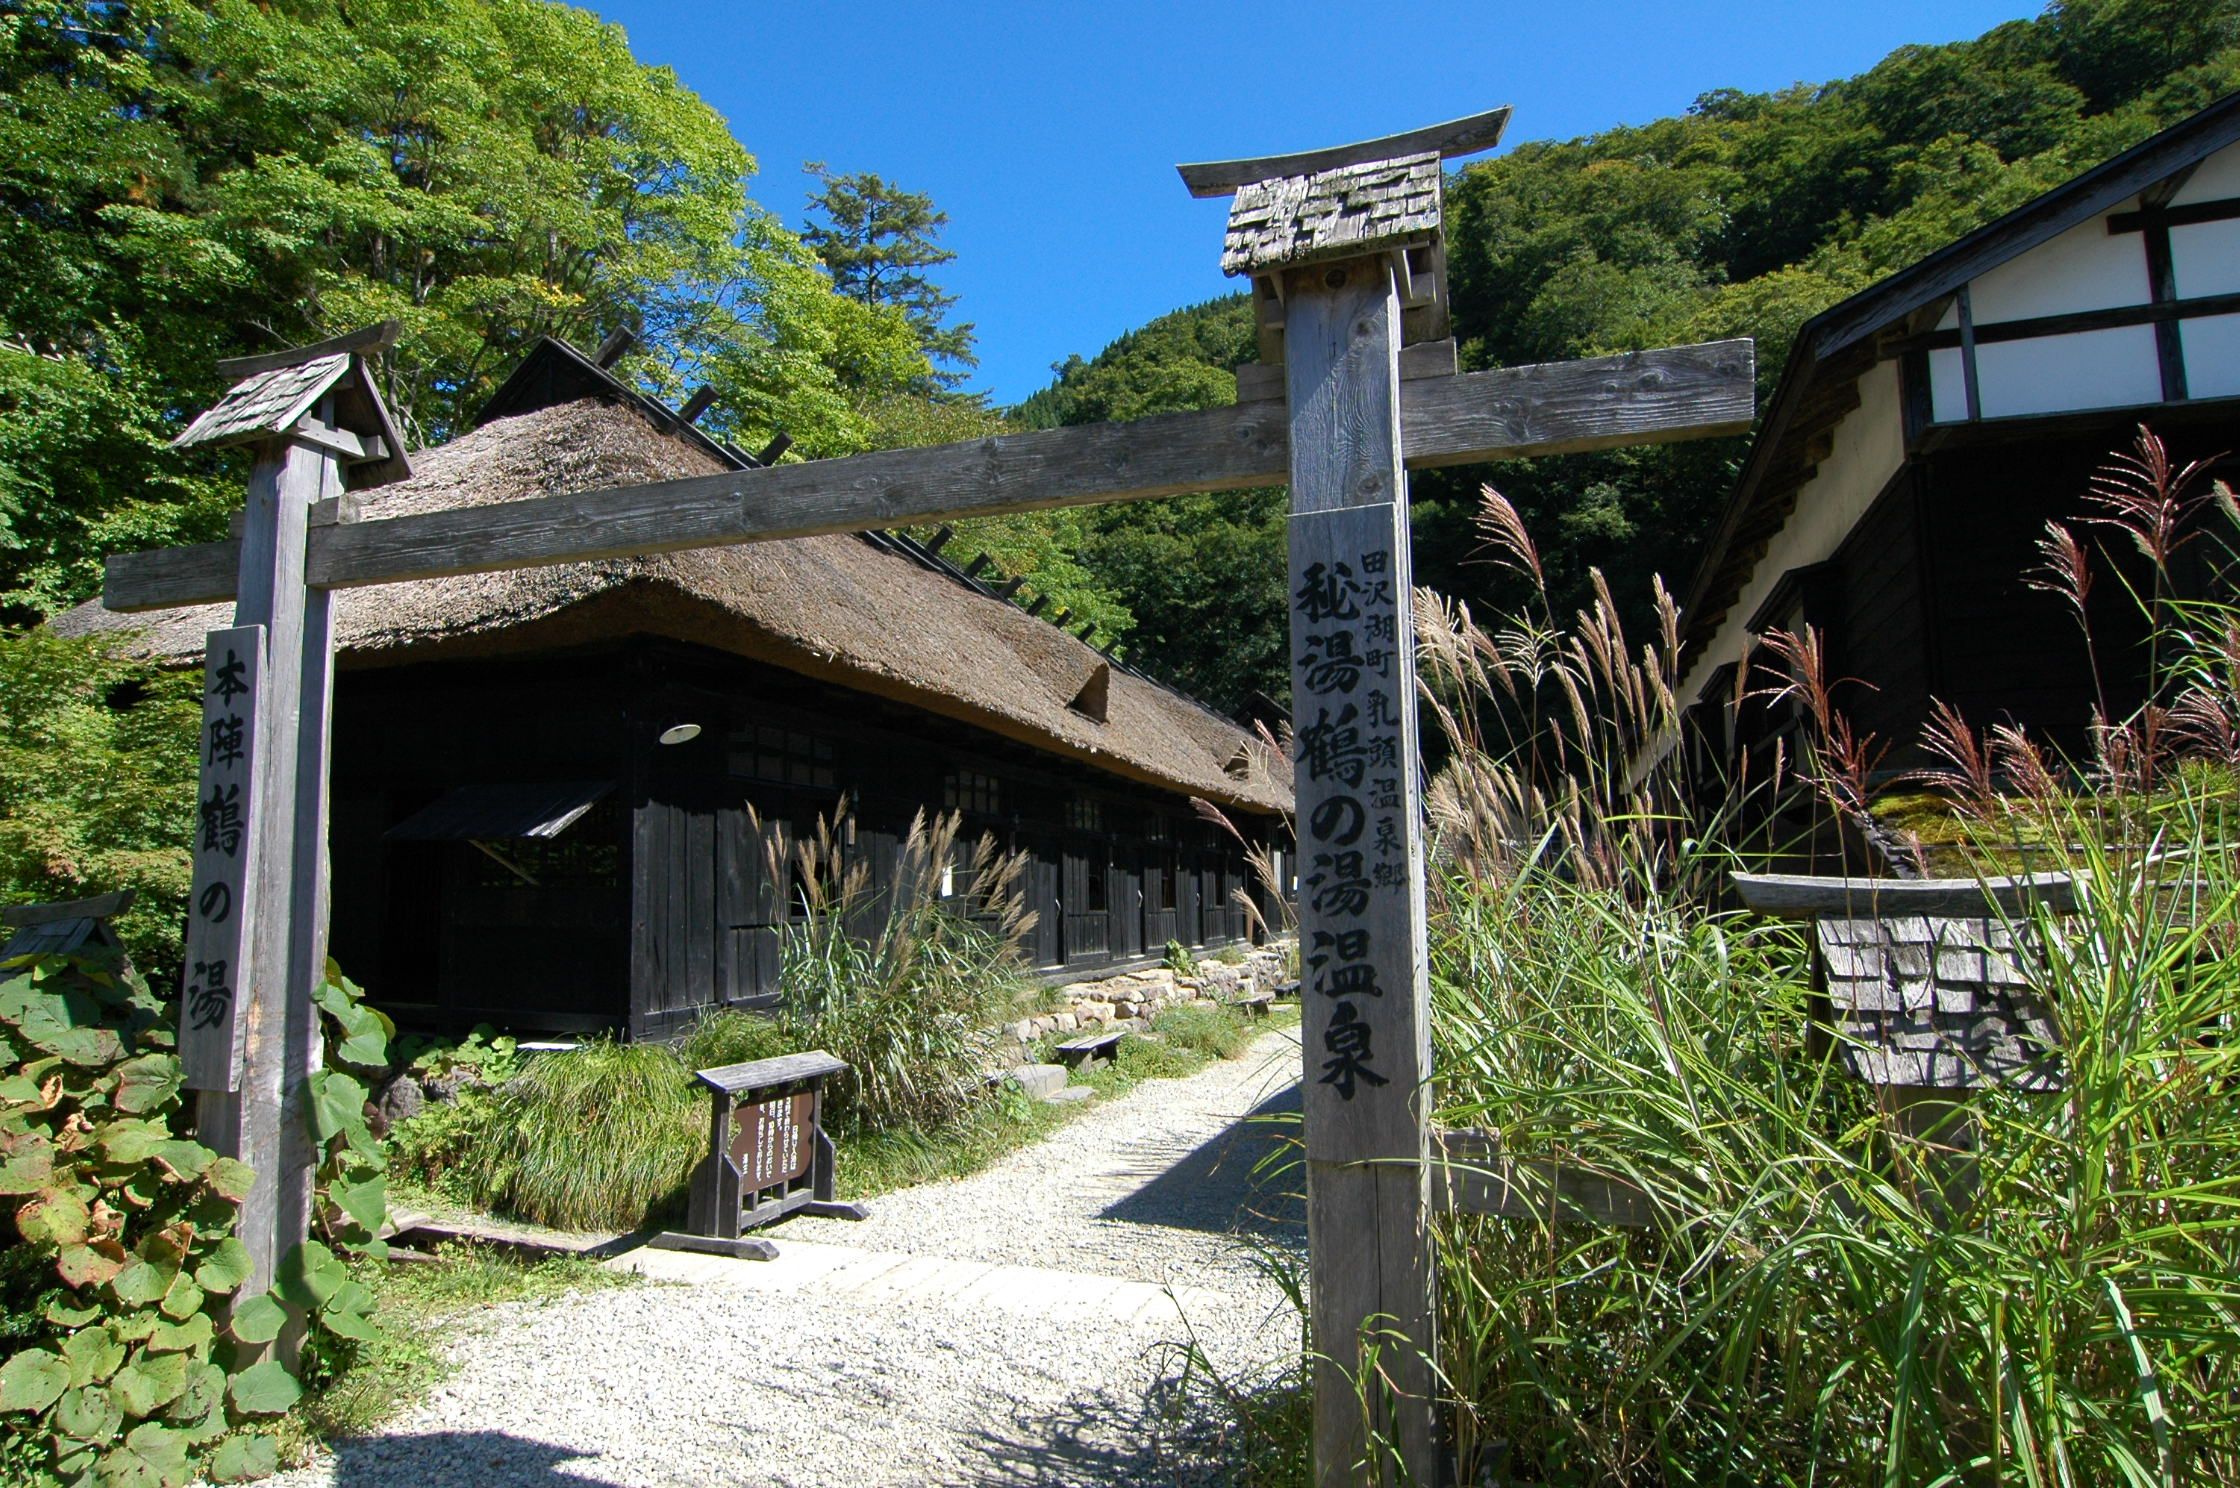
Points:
(1380, 196)
(286, 394)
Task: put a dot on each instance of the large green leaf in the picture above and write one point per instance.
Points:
(93, 1354)
(264, 1389)
(149, 1383)
(141, 1282)
(257, 1319)
(57, 1217)
(230, 1178)
(225, 1267)
(189, 1336)
(200, 1410)
(147, 1082)
(241, 1459)
(184, 1299)
(367, 1202)
(309, 1274)
(344, 1323)
(32, 1380)
(88, 1414)
(132, 1143)
(29, 1169)
(90, 1264)
(152, 1457)
(338, 1104)
(187, 1159)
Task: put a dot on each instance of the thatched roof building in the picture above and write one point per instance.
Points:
(861, 614)
(503, 733)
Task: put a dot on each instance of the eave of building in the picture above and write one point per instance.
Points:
(1833, 350)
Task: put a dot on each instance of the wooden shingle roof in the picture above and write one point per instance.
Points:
(1336, 213)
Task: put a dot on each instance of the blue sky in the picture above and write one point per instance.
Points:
(1049, 133)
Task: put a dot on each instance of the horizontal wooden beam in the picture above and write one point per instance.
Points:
(1643, 397)
(1473, 1177)
(1796, 896)
(2072, 322)
(1465, 136)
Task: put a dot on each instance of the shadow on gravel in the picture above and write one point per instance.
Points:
(1101, 1441)
(441, 1459)
(1215, 1188)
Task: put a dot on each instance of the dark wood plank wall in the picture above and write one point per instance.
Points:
(1878, 634)
(437, 931)
(690, 915)
(1932, 596)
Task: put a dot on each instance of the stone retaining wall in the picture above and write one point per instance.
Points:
(1134, 998)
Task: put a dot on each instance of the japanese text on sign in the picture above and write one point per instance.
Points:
(218, 909)
(1353, 835)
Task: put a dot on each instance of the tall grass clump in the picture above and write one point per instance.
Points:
(600, 1137)
(902, 982)
(2042, 1287)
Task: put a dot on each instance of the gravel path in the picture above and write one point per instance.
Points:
(1007, 1328)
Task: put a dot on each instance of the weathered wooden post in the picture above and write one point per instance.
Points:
(1345, 254)
(256, 928)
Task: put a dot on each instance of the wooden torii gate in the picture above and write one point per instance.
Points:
(1345, 251)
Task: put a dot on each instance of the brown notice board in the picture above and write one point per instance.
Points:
(768, 1155)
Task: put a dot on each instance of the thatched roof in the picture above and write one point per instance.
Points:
(834, 607)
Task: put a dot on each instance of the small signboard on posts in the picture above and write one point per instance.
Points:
(768, 1156)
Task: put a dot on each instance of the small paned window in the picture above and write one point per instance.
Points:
(1166, 877)
(783, 756)
(1085, 814)
(1097, 888)
(969, 790)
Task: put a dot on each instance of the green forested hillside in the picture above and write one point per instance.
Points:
(182, 180)
(1745, 216)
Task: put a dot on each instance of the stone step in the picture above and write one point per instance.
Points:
(1040, 1080)
(1072, 1095)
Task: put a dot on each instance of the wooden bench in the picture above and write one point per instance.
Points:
(1288, 991)
(1091, 1047)
(1254, 1004)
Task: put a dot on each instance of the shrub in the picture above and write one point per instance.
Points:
(1204, 1029)
(114, 1288)
(97, 778)
(603, 1136)
(735, 1037)
(1829, 1294)
(902, 986)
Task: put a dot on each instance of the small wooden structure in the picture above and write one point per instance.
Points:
(768, 1156)
(1926, 984)
(64, 926)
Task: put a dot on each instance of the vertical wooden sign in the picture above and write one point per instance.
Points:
(220, 912)
(1363, 949)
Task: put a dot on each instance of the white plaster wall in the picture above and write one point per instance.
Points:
(2212, 347)
(1869, 447)
(2085, 268)
(2215, 179)
(2205, 258)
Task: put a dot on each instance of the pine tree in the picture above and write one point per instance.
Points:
(878, 240)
